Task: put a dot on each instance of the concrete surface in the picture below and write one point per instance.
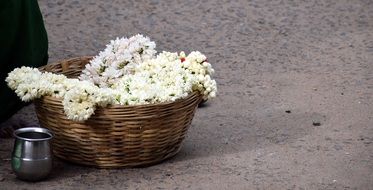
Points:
(313, 59)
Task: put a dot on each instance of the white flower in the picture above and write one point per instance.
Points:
(119, 58)
(197, 64)
(125, 73)
(79, 102)
(22, 75)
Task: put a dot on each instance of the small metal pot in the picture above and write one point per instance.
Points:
(32, 157)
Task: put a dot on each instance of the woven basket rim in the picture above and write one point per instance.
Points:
(115, 106)
(58, 62)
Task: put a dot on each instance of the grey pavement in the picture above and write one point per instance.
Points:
(295, 102)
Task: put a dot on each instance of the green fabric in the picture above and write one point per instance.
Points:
(23, 42)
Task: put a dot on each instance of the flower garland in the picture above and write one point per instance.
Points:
(120, 57)
(164, 78)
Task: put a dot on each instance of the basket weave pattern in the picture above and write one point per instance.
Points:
(115, 136)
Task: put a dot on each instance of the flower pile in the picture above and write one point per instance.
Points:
(145, 78)
(119, 58)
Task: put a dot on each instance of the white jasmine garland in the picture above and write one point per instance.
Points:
(22, 75)
(165, 78)
(156, 80)
(79, 102)
(120, 57)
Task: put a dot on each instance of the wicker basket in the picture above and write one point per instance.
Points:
(115, 136)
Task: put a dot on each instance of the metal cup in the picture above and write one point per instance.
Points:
(32, 158)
